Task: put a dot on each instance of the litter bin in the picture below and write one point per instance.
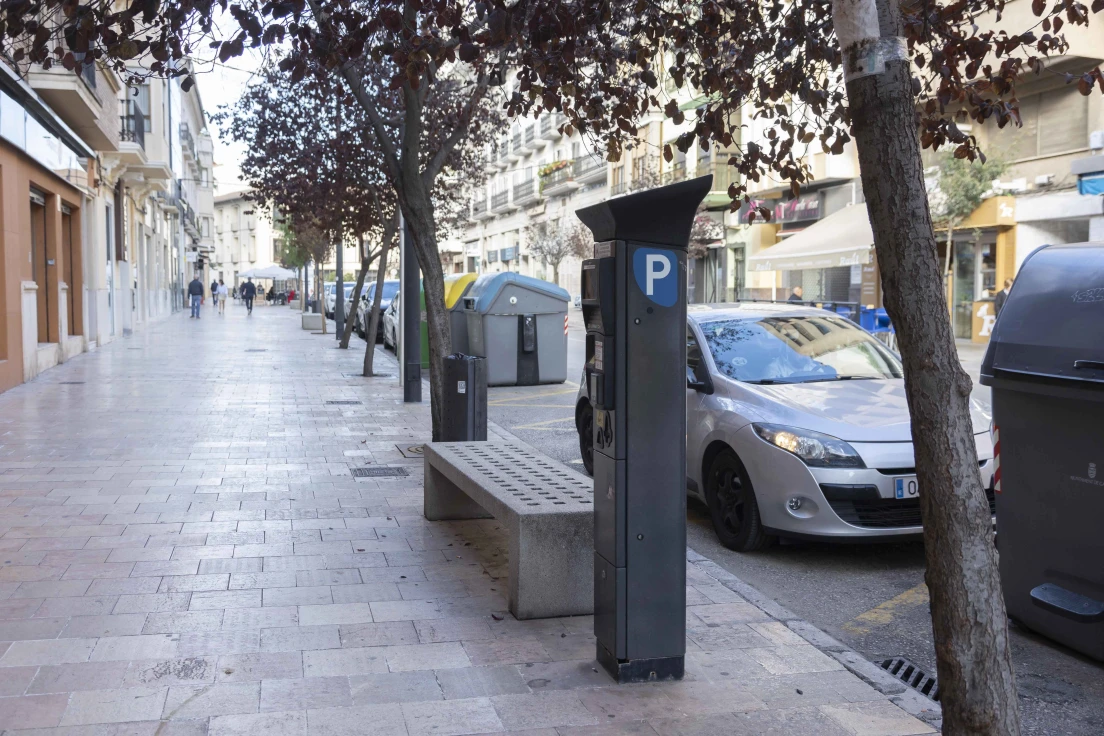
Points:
(519, 324)
(465, 415)
(456, 286)
(1045, 365)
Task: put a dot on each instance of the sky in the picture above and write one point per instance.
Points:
(223, 85)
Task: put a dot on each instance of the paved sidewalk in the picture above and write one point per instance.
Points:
(185, 551)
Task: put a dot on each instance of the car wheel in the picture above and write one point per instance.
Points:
(586, 438)
(732, 505)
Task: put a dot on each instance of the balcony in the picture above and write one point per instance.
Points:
(500, 202)
(549, 126)
(186, 141)
(677, 172)
(723, 175)
(560, 181)
(479, 210)
(619, 188)
(503, 156)
(515, 147)
(75, 97)
(526, 193)
(530, 136)
(590, 169)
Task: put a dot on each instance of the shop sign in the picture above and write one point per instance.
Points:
(804, 207)
(509, 254)
(492, 256)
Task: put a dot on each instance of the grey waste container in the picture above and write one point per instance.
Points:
(465, 414)
(1045, 365)
(518, 324)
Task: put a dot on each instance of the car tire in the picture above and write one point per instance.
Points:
(732, 505)
(585, 426)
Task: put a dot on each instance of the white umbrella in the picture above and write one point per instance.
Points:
(271, 272)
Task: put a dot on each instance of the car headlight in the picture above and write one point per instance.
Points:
(815, 449)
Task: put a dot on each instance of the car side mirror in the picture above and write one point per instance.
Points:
(696, 384)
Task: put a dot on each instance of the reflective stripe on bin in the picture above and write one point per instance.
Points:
(565, 325)
(996, 460)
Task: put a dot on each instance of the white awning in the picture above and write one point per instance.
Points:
(843, 238)
(271, 272)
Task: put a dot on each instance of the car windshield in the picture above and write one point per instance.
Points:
(798, 349)
(389, 290)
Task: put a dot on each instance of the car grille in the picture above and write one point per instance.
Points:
(888, 513)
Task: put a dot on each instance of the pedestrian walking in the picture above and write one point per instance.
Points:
(214, 293)
(796, 295)
(1001, 297)
(249, 290)
(223, 292)
(195, 295)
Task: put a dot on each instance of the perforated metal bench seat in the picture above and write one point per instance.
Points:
(548, 511)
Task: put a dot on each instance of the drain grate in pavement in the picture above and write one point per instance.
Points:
(71, 383)
(342, 403)
(913, 676)
(379, 472)
(257, 350)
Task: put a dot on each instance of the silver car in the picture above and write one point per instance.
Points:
(796, 426)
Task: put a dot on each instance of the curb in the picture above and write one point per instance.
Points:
(897, 692)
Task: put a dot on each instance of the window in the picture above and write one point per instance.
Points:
(1053, 122)
(140, 103)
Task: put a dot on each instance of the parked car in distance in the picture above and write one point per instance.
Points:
(796, 425)
(390, 322)
(364, 309)
(331, 297)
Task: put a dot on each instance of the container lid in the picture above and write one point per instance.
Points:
(456, 285)
(487, 287)
(1052, 324)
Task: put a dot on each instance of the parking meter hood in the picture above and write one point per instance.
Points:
(662, 216)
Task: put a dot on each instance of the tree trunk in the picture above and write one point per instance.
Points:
(556, 274)
(417, 208)
(365, 262)
(968, 616)
(381, 276)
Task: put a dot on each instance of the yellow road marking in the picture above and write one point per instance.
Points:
(536, 425)
(884, 613)
(534, 396)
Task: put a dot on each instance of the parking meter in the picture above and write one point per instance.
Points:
(634, 309)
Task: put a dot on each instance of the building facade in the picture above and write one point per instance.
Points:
(98, 182)
(245, 237)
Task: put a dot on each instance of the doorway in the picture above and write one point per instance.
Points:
(39, 265)
(69, 255)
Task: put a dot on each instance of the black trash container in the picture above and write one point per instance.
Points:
(1045, 365)
(465, 415)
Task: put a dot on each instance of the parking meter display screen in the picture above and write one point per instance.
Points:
(590, 281)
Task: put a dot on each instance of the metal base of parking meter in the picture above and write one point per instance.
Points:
(634, 309)
(411, 313)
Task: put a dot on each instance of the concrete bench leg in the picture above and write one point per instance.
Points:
(551, 566)
(442, 500)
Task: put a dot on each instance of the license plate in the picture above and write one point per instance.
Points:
(905, 487)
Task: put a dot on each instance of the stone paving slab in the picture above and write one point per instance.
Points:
(185, 551)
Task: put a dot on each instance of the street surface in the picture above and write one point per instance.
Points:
(871, 597)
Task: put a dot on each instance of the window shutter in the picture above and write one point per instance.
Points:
(1063, 120)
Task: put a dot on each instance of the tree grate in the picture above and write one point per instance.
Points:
(342, 403)
(379, 472)
(913, 676)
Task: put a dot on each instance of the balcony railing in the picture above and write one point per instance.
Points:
(619, 188)
(530, 133)
(516, 139)
(723, 175)
(133, 124)
(557, 177)
(479, 206)
(677, 172)
(500, 200)
(588, 167)
(503, 149)
(525, 191)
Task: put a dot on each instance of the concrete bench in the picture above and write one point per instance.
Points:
(548, 511)
(312, 321)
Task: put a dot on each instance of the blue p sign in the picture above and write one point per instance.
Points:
(655, 273)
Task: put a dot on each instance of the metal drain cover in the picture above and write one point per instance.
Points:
(343, 403)
(257, 350)
(910, 674)
(380, 472)
(71, 383)
(412, 451)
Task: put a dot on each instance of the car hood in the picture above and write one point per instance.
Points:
(865, 410)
